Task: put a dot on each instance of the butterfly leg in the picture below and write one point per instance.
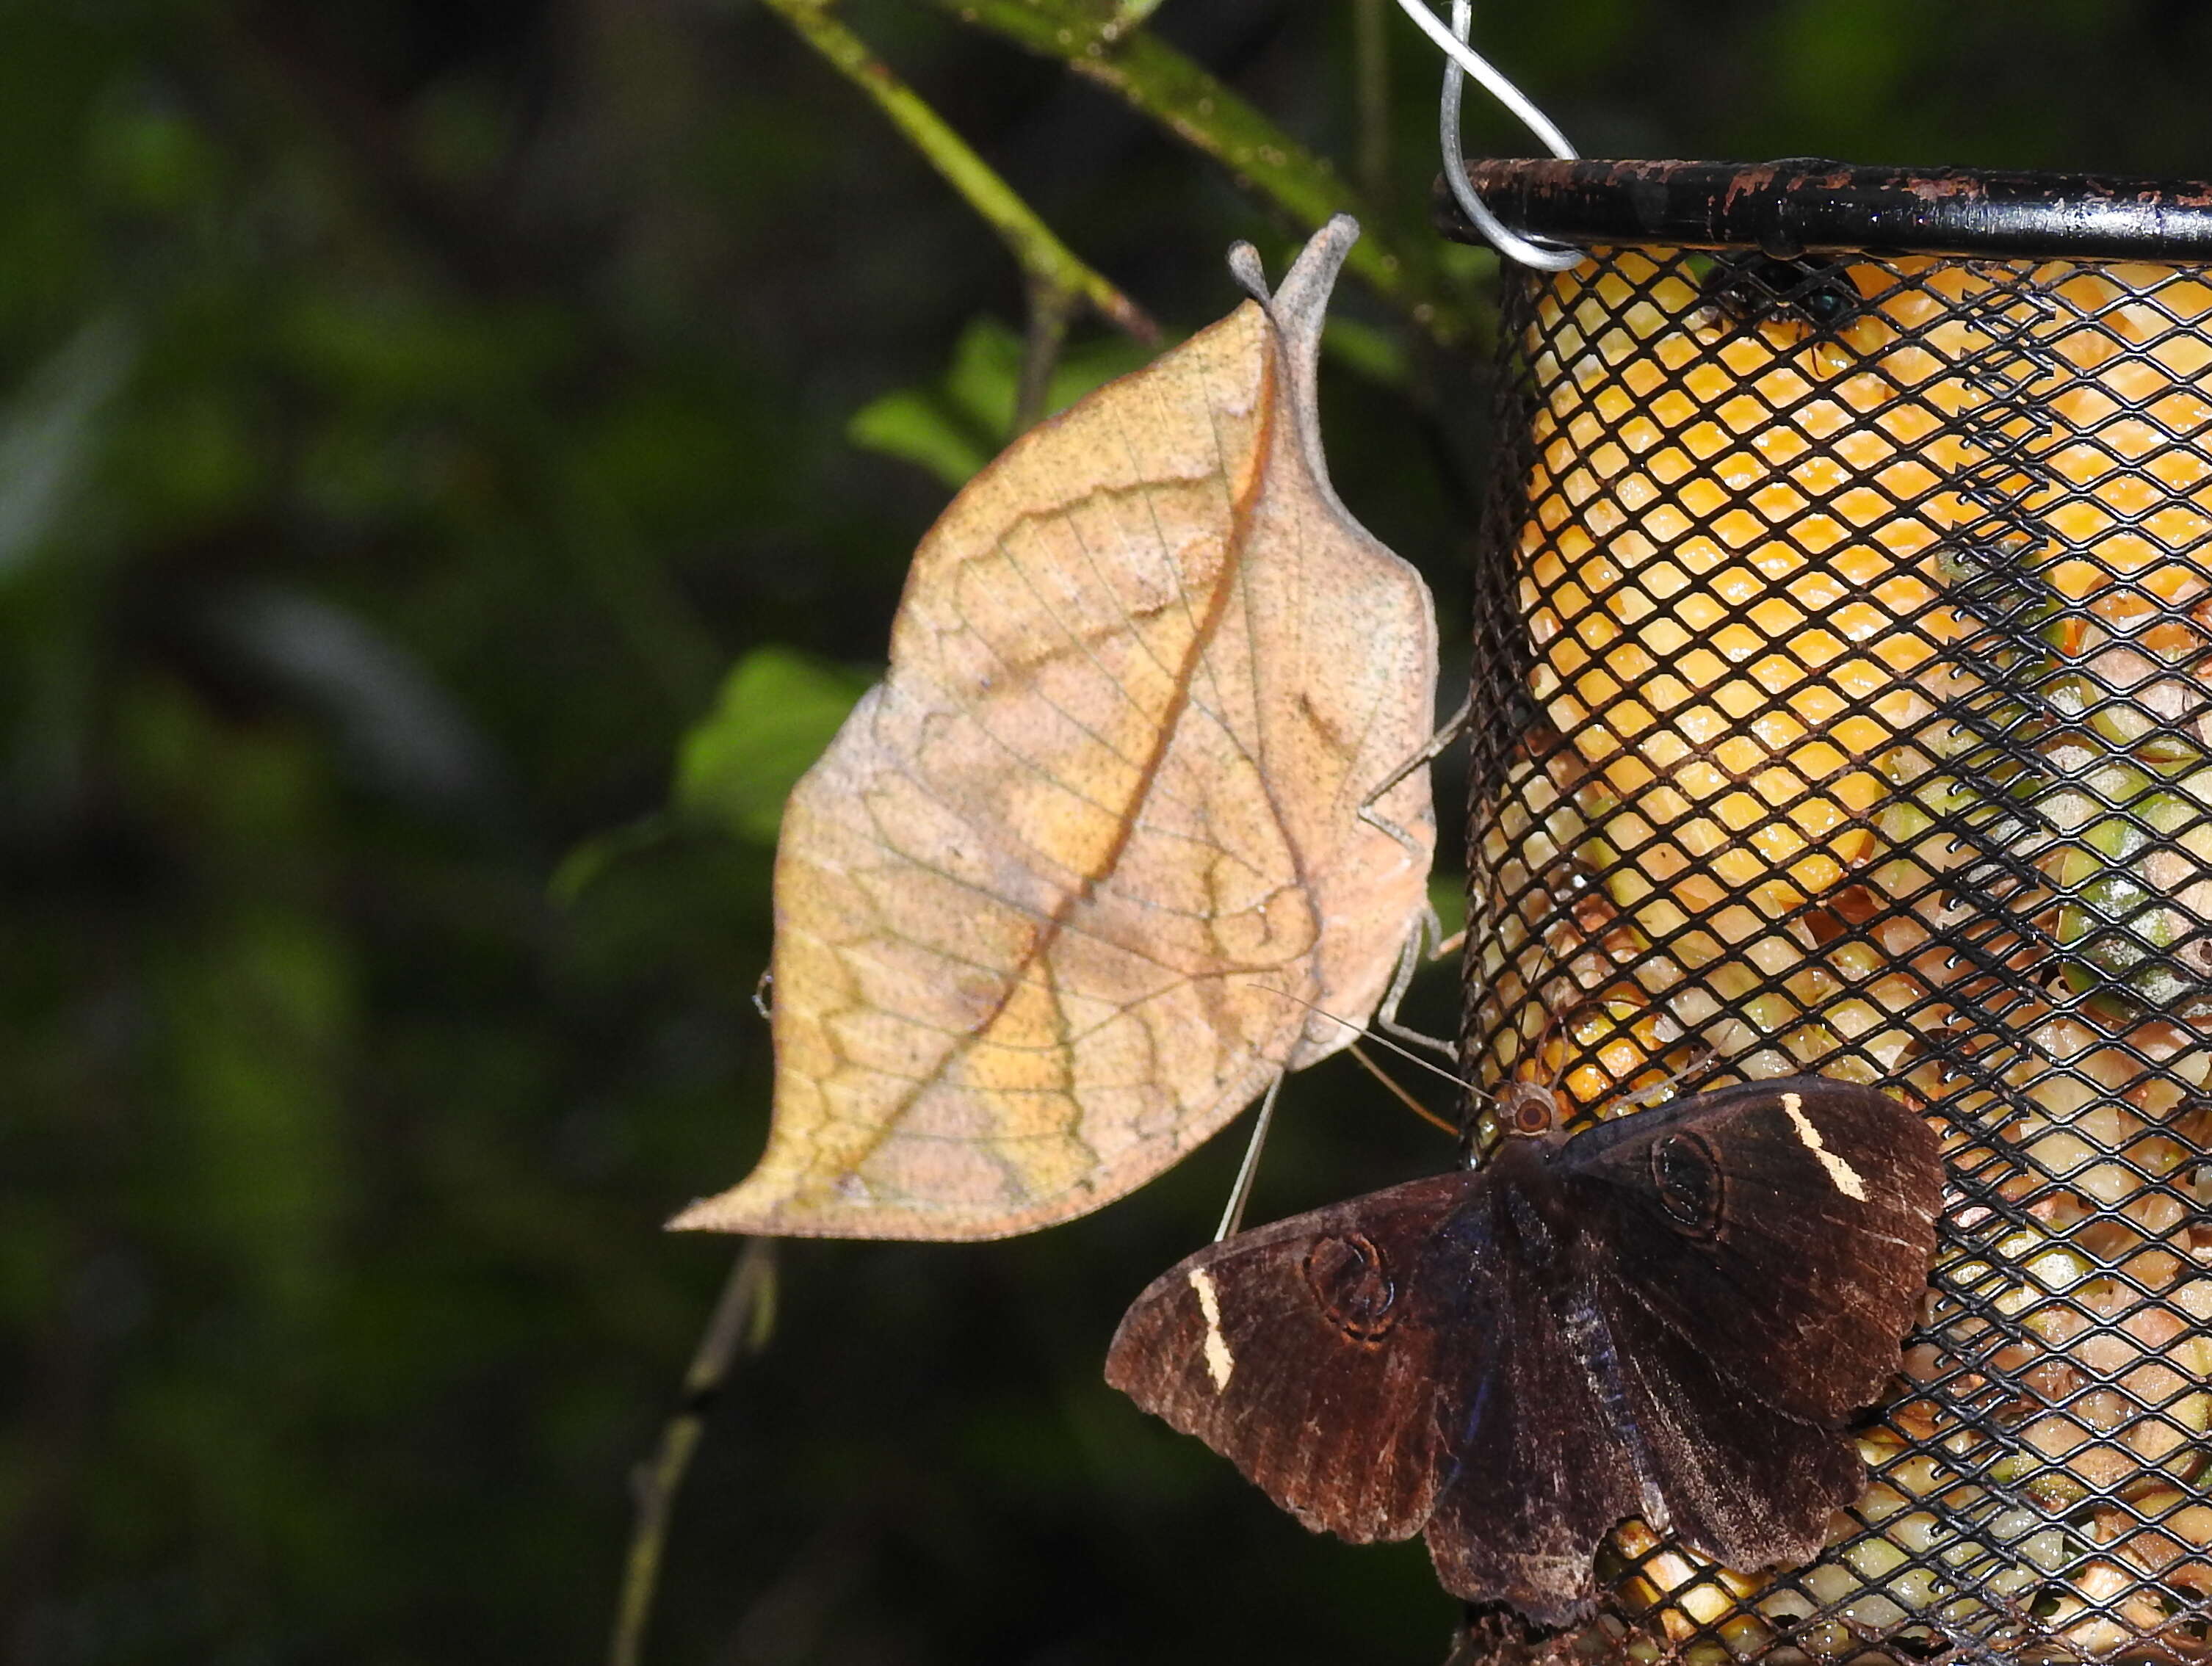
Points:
(1453, 727)
(1410, 957)
(1240, 1193)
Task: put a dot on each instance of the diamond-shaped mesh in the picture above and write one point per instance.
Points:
(1847, 663)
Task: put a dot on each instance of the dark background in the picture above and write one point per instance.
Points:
(409, 412)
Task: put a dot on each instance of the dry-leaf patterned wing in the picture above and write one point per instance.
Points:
(1039, 905)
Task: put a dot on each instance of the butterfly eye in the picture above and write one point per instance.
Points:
(1352, 1281)
(1688, 1181)
(1529, 1109)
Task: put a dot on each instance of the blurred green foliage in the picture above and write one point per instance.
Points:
(954, 426)
(773, 716)
(410, 414)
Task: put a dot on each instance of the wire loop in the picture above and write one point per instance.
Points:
(1462, 60)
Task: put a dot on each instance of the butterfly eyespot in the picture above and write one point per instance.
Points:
(1352, 1281)
(1688, 1177)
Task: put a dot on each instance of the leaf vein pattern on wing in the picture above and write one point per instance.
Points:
(1117, 1011)
(1069, 924)
(1021, 670)
(1070, 928)
(1071, 1131)
(1082, 645)
(1206, 628)
(956, 709)
(992, 834)
(1233, 575)
(1201, 630)
(1143, 493)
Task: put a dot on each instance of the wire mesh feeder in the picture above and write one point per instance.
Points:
(1847, 629)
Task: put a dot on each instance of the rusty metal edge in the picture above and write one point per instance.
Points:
(1802, 205)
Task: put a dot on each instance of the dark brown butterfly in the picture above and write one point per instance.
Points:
(1670, 1316)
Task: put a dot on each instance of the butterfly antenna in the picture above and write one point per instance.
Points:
(1384, 1041)
(1233, 1216)
(1402, 1096)
(1534, 987)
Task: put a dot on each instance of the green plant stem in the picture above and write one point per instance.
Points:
(1092, 39)
(1044, 257)
(1370, 69)
(743, 1318)
(1047, 334)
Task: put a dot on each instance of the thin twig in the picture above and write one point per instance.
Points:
(1048, 331)
(1044, 257)
(1371, 69)
(744, 1316)
(1092, 38)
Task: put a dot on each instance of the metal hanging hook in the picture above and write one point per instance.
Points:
(1462, 60)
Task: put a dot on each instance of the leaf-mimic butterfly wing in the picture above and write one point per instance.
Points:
(1055, 904)
(1310, 1353)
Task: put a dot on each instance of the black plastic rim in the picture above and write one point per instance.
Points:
(1802, 204)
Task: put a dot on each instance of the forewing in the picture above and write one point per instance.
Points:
(1047, 908)
(1781, 1229)
(1310, 1353)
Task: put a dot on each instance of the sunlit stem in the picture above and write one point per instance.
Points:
(1044, 257)
(1106, 47)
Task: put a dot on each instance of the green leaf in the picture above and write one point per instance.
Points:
(956, 427)
(1447, 896)
(915, 426)
(986, 369)
(776, 712)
